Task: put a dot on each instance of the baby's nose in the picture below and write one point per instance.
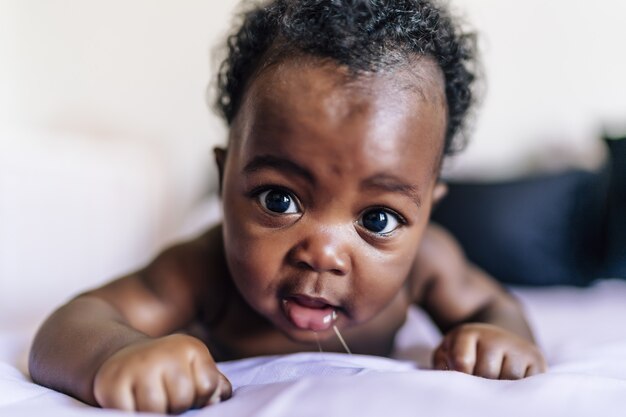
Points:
(322, 252)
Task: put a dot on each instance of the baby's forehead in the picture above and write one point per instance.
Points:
(386, 116)
(292, 90)
(305, 78)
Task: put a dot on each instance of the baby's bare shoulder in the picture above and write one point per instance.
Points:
(196, 268)
(178, 286)
(190, 262)
(439, 256)
(437, 241)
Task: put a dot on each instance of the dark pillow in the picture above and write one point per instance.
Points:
(535, 231)
(615, 261)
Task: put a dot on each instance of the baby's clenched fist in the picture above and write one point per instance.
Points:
(488, 351)
(165, 375)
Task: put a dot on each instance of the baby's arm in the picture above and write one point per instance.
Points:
(110, 346)
(485, 332)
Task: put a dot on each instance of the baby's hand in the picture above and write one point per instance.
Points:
(488, 351)
(170, 374)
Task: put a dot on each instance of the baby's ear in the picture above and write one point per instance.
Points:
(439, 192)
(220, 160)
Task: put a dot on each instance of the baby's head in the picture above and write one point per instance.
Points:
(340, 112)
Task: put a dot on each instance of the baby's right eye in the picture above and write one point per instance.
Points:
(278, 201)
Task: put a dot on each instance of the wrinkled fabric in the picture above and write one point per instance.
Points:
(580, 330)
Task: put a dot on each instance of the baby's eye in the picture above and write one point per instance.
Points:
(278, 201)
(380, 221)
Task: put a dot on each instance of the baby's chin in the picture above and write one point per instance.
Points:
(308, 339)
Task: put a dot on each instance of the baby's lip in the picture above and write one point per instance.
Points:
(311, 302)
(309, 313)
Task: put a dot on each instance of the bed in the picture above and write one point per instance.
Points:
(580, 330)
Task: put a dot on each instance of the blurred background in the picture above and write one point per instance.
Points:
(106, 134)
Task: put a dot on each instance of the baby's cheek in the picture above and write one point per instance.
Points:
(254, 265)
(378, 284)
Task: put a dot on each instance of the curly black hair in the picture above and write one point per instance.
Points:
(364, 35)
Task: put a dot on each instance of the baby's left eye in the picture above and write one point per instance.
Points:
(379, 221)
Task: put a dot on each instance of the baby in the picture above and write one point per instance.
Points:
(340, 112)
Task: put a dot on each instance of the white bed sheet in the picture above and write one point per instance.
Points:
(582, 332)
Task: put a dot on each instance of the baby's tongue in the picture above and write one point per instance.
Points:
(309, 317)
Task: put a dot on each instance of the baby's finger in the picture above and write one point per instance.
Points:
(150, 395)
(120, 397)
(181, 392)
(226, 389)
(513, 368)
(537, 366)
(223, 391)
(440, 359)
(462, 353)
(488, 362)
(206, 379)
(532, 370)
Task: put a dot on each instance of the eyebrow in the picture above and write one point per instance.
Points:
(391, 183)
(281, 164)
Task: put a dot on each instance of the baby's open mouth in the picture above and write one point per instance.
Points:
(308, 313)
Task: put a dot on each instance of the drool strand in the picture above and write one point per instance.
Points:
(317, 340)
(343, 342)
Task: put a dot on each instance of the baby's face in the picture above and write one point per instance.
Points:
(327, 188)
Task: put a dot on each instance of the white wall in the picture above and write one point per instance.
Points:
(139, 68)
(116, 68)
(556, 78)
